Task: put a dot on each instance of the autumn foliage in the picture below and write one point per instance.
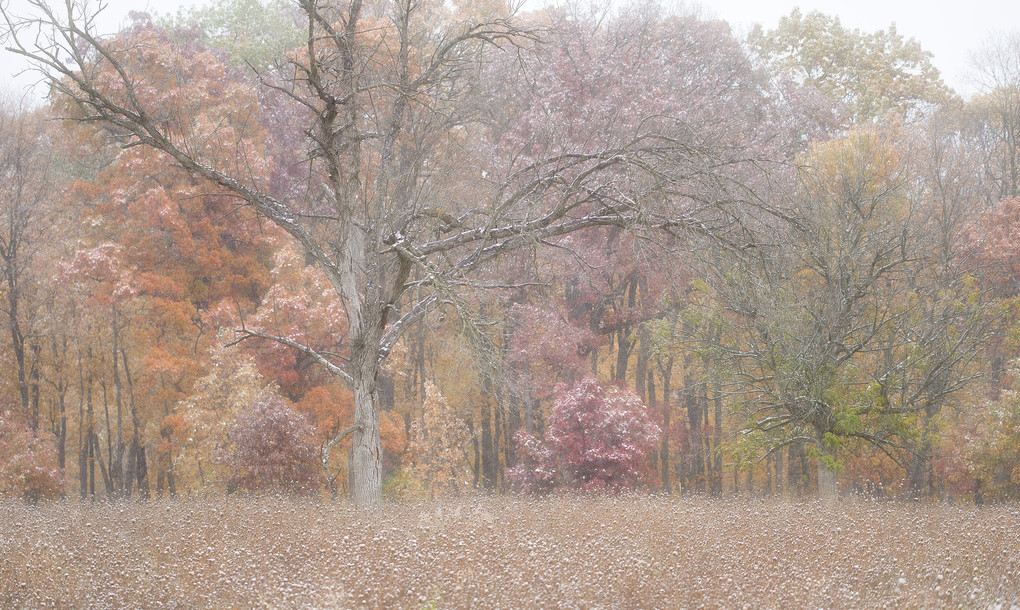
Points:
(597, 439)
(273, 449)
(458, 248)
(28, 466)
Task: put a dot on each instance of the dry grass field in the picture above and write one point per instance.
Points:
(506, 552)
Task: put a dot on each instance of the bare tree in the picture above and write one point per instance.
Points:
(378, 92)
(997, 110)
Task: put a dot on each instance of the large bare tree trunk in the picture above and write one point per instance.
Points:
(366, 449)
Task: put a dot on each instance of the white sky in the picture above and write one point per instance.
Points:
(948, 29)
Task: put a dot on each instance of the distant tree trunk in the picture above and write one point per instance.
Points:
(641, 365)
(920, 478)
(663, 461)
(476, 464)
(34, 377)
(82, 424)
(137, 467)
(796, 470)
(109, 440)
(490, 457)
(779, 473)
(716, 441)
(511, 424)
(12, 273)
(694, 396)
(827, 479)
(62, 432)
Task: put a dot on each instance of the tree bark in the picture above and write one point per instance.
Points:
(827, 478)
(490, 458)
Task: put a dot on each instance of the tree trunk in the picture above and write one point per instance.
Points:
(18, 338)
(34, 375)
(117, 460)
(779, 474)
(827, 488)
(919, 472)
(696, 400)
(667, 416)
(716, 440)
(490, 459)
(366, 449)
(641, 365)
(796, 471)
(511, 424)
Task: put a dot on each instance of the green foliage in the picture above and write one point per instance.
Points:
(872, 73)
(250, 32)
(404, 484)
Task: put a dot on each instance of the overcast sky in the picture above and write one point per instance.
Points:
(950, 30)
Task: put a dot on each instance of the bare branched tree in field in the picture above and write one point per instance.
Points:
(377, 100)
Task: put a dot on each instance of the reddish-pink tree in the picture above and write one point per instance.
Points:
(28, 462)
(274, 449)
(597, 439)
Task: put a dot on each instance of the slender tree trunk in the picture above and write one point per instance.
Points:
(796, 473)
(652, 403)
(622, 352)
(62, 431)
(716, 441)
(82, 424)
(34, 377)
(17, 337)
(779, 474)
(827, 479)
(137, 467)
(490, 459)
(696, 402)
(511, 424)
(117, 460)
(641, 364)
(91, 439)
(109, 432)
(666, 373)
(476, 465)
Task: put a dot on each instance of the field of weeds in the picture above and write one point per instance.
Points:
(507, 552)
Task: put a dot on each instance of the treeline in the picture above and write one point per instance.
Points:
(415, 249)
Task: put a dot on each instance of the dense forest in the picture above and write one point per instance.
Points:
(409, 248)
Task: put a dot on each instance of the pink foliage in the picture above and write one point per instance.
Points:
(546, 348)
(274, 449)
(597, 439)
(536, 470)
(993, 246)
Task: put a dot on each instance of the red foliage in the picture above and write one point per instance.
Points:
(536, 470)
(543, 362)
(274, 450)
(994, 247)
(28, 462)
(597, 439)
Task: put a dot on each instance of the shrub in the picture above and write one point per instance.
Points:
(28, 462)
(597, 439)
(273, 449)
